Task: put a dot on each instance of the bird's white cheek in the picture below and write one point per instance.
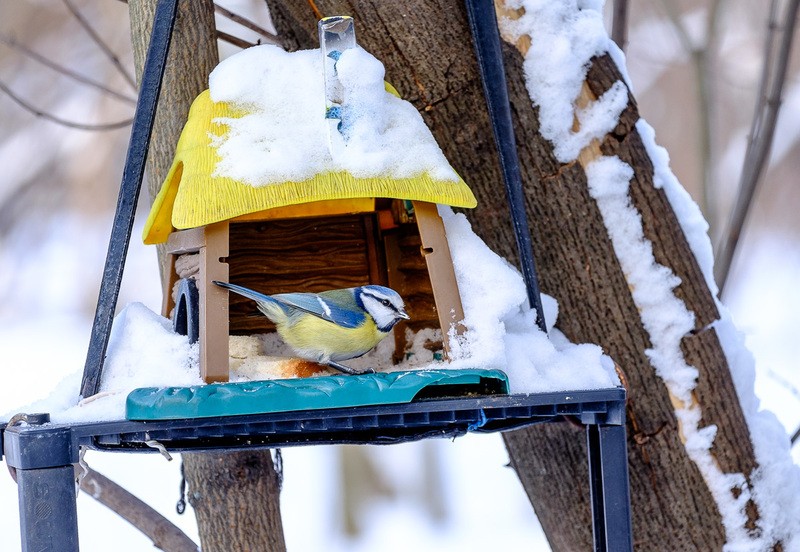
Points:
(385, 319)
(383, 316)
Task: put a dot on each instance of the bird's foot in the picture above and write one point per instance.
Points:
(347, 370)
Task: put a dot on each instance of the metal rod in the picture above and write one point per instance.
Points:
(483, 22)
(609, 490)
(596, 489)
(132, 176)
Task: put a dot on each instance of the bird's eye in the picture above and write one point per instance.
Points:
(385, 303)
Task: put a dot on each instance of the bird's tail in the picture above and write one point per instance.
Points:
(266, 304)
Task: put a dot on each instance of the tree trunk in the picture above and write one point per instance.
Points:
(235, 495)
(427, 50)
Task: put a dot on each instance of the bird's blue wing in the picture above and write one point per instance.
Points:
(338, 306)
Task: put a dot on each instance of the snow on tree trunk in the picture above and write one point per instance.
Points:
(429, 58)
(235, 495)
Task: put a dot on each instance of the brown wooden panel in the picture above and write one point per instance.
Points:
(327, 253)
(295, 255)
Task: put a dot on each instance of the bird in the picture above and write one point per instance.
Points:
(330, 326)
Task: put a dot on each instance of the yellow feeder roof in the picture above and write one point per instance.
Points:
(193, 194)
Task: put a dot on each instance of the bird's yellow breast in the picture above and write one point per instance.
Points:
(318, 339)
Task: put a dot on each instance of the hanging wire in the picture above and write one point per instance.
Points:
(277, 464)
(180, 507)
(315, 9)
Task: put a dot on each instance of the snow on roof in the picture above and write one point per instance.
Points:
(285, 136)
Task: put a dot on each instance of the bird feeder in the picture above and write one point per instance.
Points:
(330, 230)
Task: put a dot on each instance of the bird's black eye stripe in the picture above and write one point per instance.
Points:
(384, 302)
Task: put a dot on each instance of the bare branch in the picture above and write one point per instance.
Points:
(704, 58)
(766, 74)
(71, 124)
(760, 145)
(235, 40)
(11, 43)
(701, 57)
(99, 41)
(164, 534)
(791, 388)
(271, 38)
(683, 35)
(619, 24)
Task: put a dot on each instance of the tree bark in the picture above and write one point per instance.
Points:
(427, 50)
(235, 495)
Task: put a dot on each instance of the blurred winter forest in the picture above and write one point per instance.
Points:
(66, 98)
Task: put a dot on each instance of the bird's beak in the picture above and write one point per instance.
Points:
(402, 314)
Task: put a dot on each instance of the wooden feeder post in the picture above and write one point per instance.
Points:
(210, 244)
(440, 269)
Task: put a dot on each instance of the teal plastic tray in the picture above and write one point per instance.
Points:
(286, 395)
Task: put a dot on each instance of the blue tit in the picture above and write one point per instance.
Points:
(330, 326)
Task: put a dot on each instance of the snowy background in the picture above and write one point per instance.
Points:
(58, 189)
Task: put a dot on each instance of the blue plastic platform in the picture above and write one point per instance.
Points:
(324, 392)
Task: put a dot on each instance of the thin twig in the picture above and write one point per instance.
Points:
(619, 24)
(791, 388)
(677, 24)
(11, 43)
(315, 9)
(766, 74)
(699, 55)
(784, 382)
(164, 534)
(705, 58)
(99, 41)
(244, 22)
(63, 122)
(235, 40)
(756, 158)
